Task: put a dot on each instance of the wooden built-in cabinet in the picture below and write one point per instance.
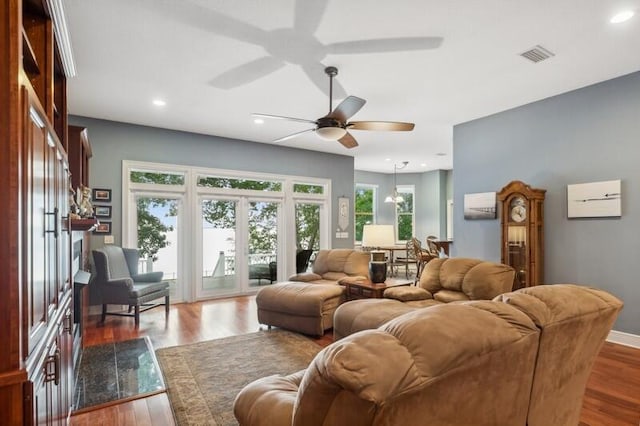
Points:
(36, 331)
(79, 155)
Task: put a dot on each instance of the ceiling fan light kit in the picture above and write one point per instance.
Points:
(331, 133)
(334, 126)
(395, 198)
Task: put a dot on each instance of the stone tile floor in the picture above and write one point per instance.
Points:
(114, 371)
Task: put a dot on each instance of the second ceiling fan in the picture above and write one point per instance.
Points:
(334, 125)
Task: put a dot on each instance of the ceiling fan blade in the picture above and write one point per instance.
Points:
(348, 141)
(205, 18)
(308, 14)
(293, 135)
(399, 44)
(246, 73)
(396, 126)
(347, 108)
(281, 117)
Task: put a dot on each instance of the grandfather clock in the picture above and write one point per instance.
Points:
(522, 223)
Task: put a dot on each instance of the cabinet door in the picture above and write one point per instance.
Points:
(63, 226)
(67, 382)
(46, 407)
(35, 239)
(52, 227)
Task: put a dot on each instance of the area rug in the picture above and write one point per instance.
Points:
(204, 378)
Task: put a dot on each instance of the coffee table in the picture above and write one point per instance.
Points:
(369, 290)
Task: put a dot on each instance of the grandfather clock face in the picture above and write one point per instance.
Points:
(518, 210)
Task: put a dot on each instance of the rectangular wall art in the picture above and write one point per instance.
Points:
(102, 211)
(596, 199)
(100, 194)
(481, 205)
(103, 228)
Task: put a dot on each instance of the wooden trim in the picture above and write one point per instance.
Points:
(10, 178)
(13, 377)
(622, 338)
(117, 402)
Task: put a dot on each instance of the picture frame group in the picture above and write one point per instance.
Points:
(102, 209)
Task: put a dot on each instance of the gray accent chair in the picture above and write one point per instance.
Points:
(118, 282)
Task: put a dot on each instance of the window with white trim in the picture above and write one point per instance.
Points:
(365, 211)
(405, 217)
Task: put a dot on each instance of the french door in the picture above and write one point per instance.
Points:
(239, 244)
(158, 234)
(217, 233)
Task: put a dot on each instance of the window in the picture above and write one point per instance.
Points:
(364, 208)
(155, 177)
(405, 224)
(242, 219)
(235, 183)
(303, 188)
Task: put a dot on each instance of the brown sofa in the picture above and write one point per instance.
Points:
(306, 303)
(442, 281)
(521, 359)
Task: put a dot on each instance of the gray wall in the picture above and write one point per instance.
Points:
(113, 142)
(588, 135)
(430, 194)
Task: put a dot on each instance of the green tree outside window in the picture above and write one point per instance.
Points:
(364, 215)
(404, 215)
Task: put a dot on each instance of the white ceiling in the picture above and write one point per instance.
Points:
(129, 52)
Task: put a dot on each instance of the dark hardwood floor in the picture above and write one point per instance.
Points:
(612, 397)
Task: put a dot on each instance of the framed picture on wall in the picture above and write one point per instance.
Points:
(595, 199)
(100, 194)
(103, 228)
(480, 205)
(343, 213)
(102, 211)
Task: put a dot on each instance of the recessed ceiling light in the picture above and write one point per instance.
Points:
(621, 17)
(258, 120)
(423, 164)
(387, 159)
(159, 102)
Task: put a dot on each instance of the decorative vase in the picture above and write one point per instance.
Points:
(378, 271)
(378, 256)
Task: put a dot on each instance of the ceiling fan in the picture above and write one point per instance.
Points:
(334, 126)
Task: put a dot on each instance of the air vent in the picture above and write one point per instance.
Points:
(537, 54)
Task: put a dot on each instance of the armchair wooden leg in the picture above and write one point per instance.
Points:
(166, 306)
(104, 313)
(137, 315)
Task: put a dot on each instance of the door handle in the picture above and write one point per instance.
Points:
(54, 213)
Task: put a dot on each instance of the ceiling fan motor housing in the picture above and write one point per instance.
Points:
(329, 122)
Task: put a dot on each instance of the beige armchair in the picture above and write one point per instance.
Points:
(522, 359)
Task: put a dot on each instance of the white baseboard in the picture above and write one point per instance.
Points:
(622, 338)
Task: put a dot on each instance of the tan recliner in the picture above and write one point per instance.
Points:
(443, 280)
(306, 303)
(330, 266)
(521, 359)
